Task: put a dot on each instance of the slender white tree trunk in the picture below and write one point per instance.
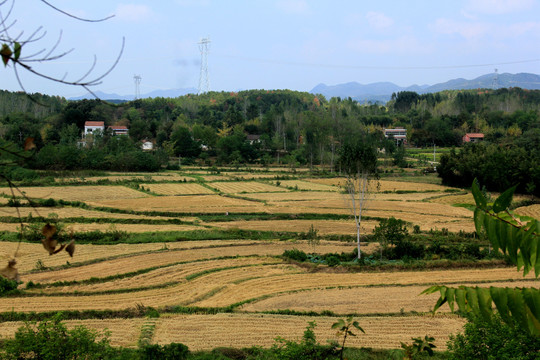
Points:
(357, 187)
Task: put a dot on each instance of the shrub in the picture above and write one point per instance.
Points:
(230, 353)
(332, 261)
(295, 254)
(306, 349)
(172, 351)
(7, 285)
(51, 340)
(495, 340)
(405, 249)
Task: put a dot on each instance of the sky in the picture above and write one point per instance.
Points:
(272, 44)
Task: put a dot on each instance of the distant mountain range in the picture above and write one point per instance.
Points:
(171, 93)
(375, 92)
(382, 91)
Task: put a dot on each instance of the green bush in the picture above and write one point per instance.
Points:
(172, 351)
(405, 249)
(7, 285)
(51, 340)
(495, 340)
(229, 353)
(332, 261)
(307, 349)
(295, 254)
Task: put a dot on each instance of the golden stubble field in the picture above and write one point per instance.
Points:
(248, 275)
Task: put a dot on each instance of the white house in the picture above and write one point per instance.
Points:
(399, 135)
(90, 127)
(251, 139)
(147, 145)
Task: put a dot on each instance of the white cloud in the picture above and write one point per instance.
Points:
(133, 13)
(468, 30)
(497, 7)
(378, 20)
(293, 6)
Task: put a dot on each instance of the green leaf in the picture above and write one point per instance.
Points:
(479, 198)
(6, 53)
(339, 324)
(500, 298)
(531, 297)
(431, 290)
(504, 200)
(460, 299)
(517, 307)
(484, 302)
(17, 47)
(472, 300)
(450, 294)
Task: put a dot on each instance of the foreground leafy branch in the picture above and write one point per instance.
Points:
(515, 236)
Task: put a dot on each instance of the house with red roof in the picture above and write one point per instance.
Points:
(473, 137)
(91, 127)
(118, 130)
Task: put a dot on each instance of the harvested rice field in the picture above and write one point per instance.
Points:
(323, 227)
(191, 204)
(234, 330)
(78, 193)
(306, 185)
(177, 189)
(244, 187)
(222, 255)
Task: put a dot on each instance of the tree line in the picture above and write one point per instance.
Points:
(295, 128)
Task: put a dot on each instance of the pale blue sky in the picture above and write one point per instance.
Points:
(278, 44)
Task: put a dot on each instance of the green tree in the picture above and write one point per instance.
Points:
(390, 231)
(184, 145)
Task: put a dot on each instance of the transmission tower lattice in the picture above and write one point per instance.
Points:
(495, 81)
(137, 79)
(204, 79)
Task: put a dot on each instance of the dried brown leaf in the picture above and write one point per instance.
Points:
(59, 249)
(10, 271)
(48, 230)
(29, 144)
(49, 245)
(70, 248)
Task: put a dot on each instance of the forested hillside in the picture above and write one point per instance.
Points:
(291, 127)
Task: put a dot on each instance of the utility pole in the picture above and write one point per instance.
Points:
(495, 81)
(434, 166)
(137, 79)
(204, 79)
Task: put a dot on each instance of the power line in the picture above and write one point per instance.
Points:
(370, 67)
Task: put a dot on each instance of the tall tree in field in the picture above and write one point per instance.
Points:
(358, 160)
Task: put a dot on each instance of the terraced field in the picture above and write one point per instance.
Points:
(242, 280)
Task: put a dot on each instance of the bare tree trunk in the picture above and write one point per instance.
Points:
(358, 184)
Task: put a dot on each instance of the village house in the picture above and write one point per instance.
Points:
(399, 135)
(147, 145)
(252, 139)
(90, 127)
(473, 137)
(118, 130)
